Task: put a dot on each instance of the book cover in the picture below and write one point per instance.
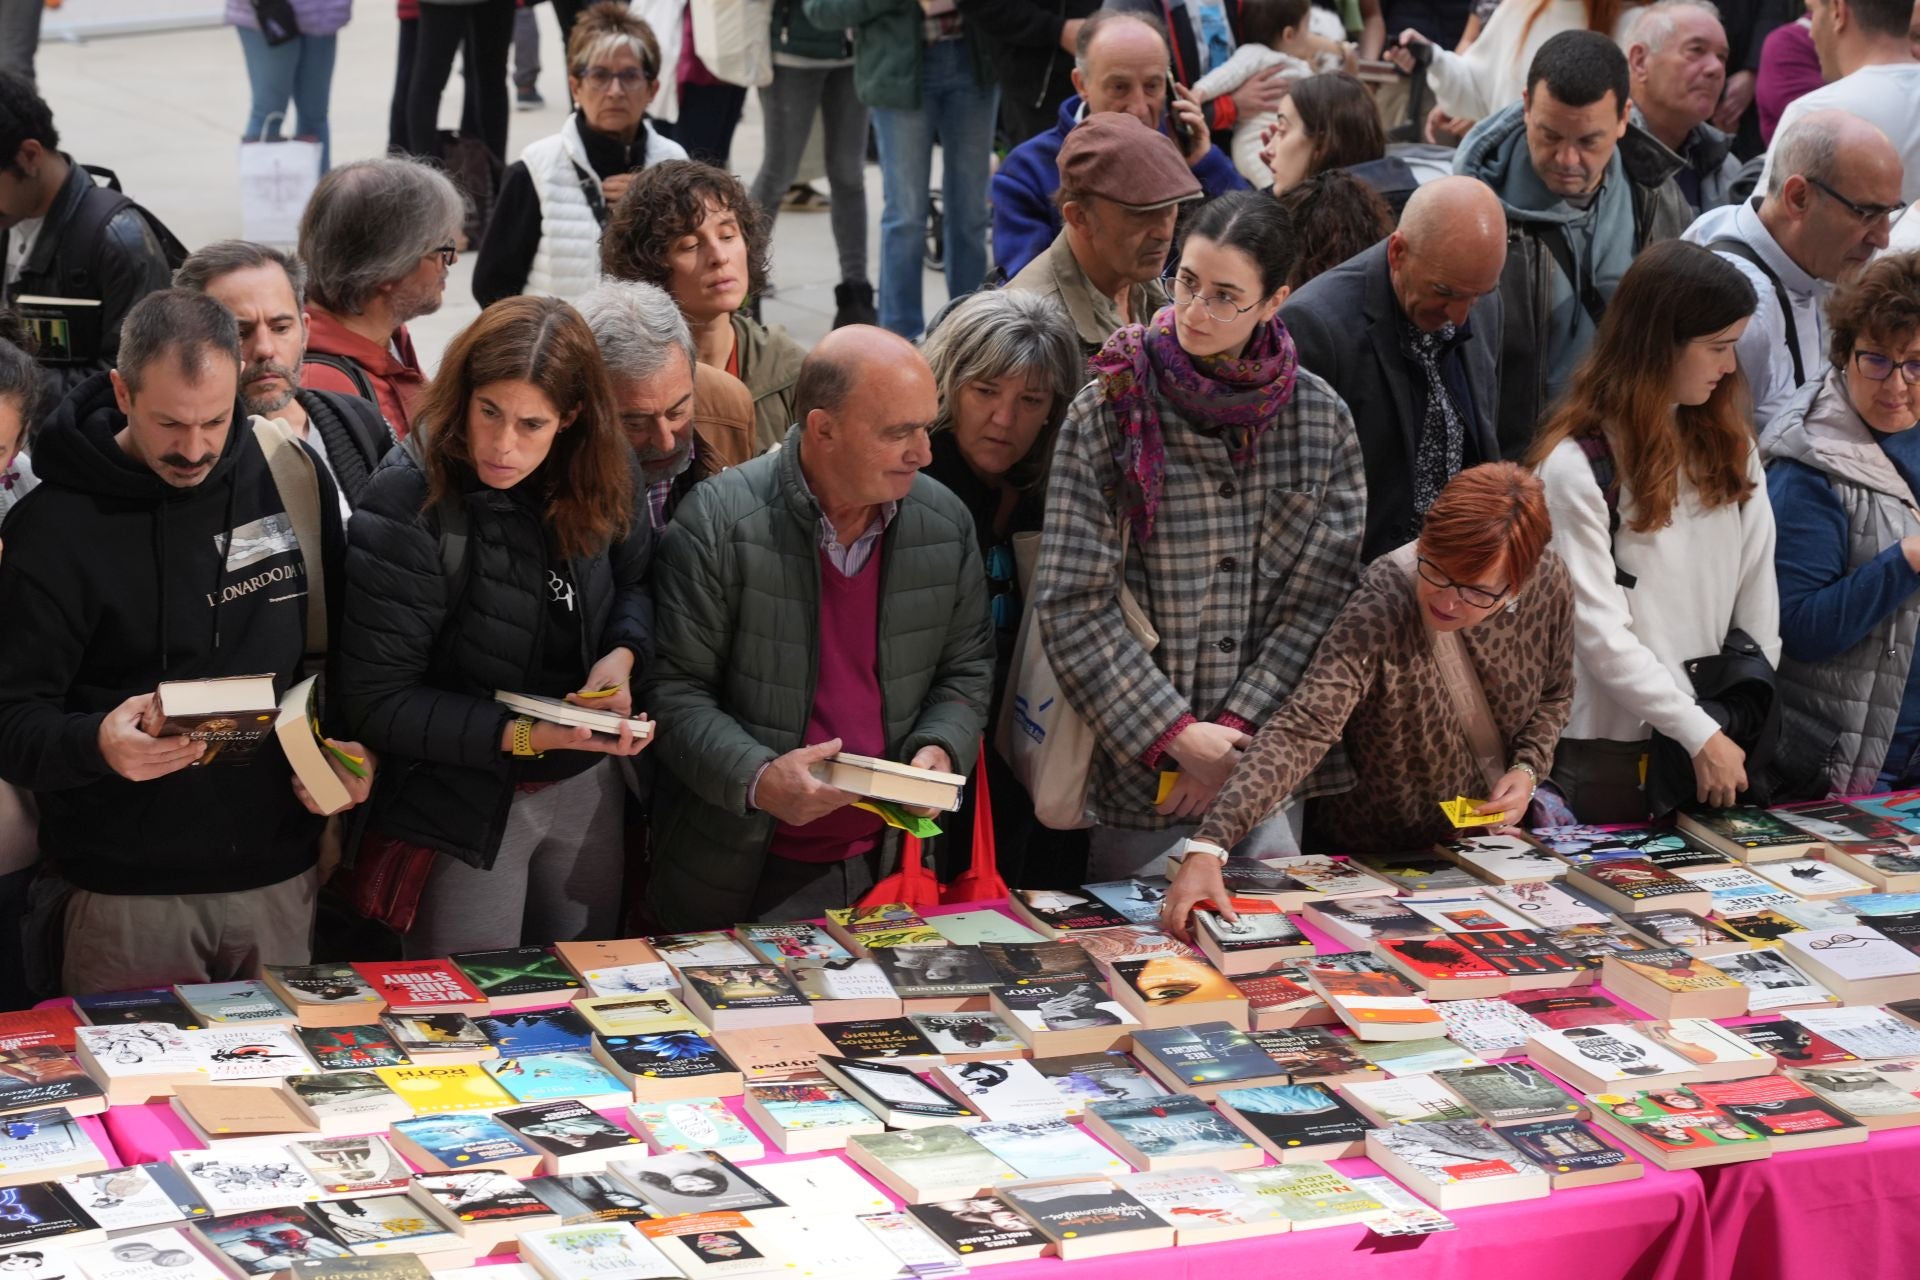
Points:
(263, 1241)
(743, 987)
(1309, 1194)
(878, 1038)
(1137, 901)
(1131, 942)
(484, 1198)
(667, 1055)
(896, 1092)
(1750, 828)
(426, 1034)
(257, 1052)
(1463, 914)
(711, 947)
(1375, 919)
(1776, 1106)
(416, 986)
(356, 1048)
(1411, 874)
(1063, 1006)
(1406, 1100)
(1279, 989)
(1671, 927)
(602, 1251)
(846, 979)
(402, 1266)
(1591, 944)
(52, 1025)
(328, 985)
(1676, 1122)
(1310, 1053)
(1415, 1057)
(1297, 1115)
(581, 1198)
(544, 1077)
(926, 971)
(1084, 1078)
(822, 1185)
(216, 1111)
(1505, 858)
(1545, 906)
(940, 1156)
(1021, 963)
(133, 1197)
(1327, 876)
(565, 1127)
(1065, 912)
(775, 1053)
(1171, 1126)
(33, 1077)
(886, 921)
(38, 1212)
(1564, 1145)
(245, 1178)
(453, 1087)
(1211, 1053)
(1869, 1033)
(1368, 997)
(1176, 983)
(1518, 954)
(981, 1033)
(1793, 1045)
(1613, 1052)
(1562, 1011)
(1839, 822)
(1737, 891)
(1047, 1149)
(163, 1254)
(1453, 1151)
(216, 1003)
(807, 1105)
(637, 1015)
(679, 1182)
(383, 1223)
(1507, 1092)
(1859, 1091)
(1675, 971)
(1201, 1201)
(780, 943)
(978, 1229)
(1079, 1212)
(1772, 981)
(345, 1100)
(465, 1141)
(1812, 878)
(1638, 880)
(1880, 904)
(352, 1166)
(1011, 1089)
(1442, 958)
(150, 1004)
(48, 1140)
(1705, 1043)
(537, 1031)
(1405, 1214)
(1853, 955)
(695, 1124)
(1261, 925)
(1490, 1028)
(974, 928)
(632, 979)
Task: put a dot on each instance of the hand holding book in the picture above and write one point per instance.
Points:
(608, 687)
(1199, 883)
(353, 763)
(131, 751)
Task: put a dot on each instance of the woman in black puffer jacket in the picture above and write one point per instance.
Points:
(507, 550)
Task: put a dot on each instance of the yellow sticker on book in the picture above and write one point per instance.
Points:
(1168, 781)
(1460, 812)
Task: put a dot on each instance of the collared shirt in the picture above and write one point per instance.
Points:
(1762, 348)
(1095, 316)
(661, 491)
(851, 560)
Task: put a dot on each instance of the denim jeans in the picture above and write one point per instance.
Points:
(958, 114)
(789, 106)
(300, 71)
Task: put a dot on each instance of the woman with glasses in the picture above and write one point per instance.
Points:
(1843, 471)
(521, 457)
(1220, 484)
(544, 233)
(1006, 365)
(1654, 484)
(1479, 570)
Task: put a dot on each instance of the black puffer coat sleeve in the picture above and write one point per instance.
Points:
(631, 559)
(396, 603)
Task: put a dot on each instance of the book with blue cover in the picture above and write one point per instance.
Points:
(1174, 1132)
(695, 1124)
(1297, 1122)
(148, 1004)
(1047, 1149)
(463, 1141)
(550, 1077)
(541, 1031)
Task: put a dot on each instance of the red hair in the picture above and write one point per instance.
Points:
(1492, 514)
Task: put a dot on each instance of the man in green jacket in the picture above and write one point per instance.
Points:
(822, 598)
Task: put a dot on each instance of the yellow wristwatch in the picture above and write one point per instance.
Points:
(523, 740)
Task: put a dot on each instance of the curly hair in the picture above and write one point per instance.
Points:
(1337, 216)
(667, 201)
(1882, 303)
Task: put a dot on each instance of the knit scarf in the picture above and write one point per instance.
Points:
(1237, 398)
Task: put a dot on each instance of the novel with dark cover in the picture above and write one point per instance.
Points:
(1297, 1115)
(1212, 1053)
(1071, 1214)
(36, 1076)
(978, 1228)
(1518, 953)
(927, 972)
(517, 971)
(38, 1212)
(1564, 1145)
(879, 1038)
(1509, 1092)
(516, 1035)
(359, 1048)
(1310, 1053)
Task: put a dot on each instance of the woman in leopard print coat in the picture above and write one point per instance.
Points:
(1480, 568)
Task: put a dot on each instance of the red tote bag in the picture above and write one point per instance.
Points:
(916, 886)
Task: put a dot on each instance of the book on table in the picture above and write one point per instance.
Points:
(1489, 1028)
(1573, 1153)
(323, 995)
(34, 1077)
(1279, 998)
(679, 1182)
(1635, 884)
(772, 1053)
(422, 986)
(133, 1197)
(438, 1038)
(801, 1116)
(1203, 1059)
(1065, 1017)
(1871, 1097)
(148, 1004)
(1594, 1059)
(537, 1031)
(1081, 1079)
(969, 1037)
(560, 711)
(1511, 1093)
(247, 1002)
(337, 1103)
(1748, 834)
(1417, 876)
(1177, 991)
(637, 1013)
(552, 1077)
(896, 1093)
(1090, 1219)
(1172, 1132)
(737, 997)
(1457, 1164)
(483, 1206)
(941, 1163)
(1442, 968)
(571, 1137)
(1713, 1052)
(1890, 866)
(257, 1242)
(1674, 1129)
(1860, 965)
(1671, 983)
(1415, 1057)
(232, 715)
(1405, 1100)
(1788, 1114)
(514, 978)
(595, 1251)
(1502, 859)
(849, 990)
(1361, 922)
(1873, 1035)
(447, 1143)
(1047, 1150)
(1203, 1204)
(979, 1230)
(1056, 913)
(1310, 1194)
(1296, 1122)
(1667, 928)
(1313, 1055)
(1374, 1003)
(1813, 878)
(695, 1124)
(1261, 935)
(1792, 1045)
(1053, 960)
(823, 1184)
(353, 1166)
(890, 1039)
(44, 1145)
(216, 1112)
(1009, 1089)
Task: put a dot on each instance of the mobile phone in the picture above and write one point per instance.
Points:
(1177, 129)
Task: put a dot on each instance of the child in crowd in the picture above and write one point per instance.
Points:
(1278, 33)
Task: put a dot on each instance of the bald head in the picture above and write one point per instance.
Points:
(1822, 153)
(866, 402)
(1448, 252)
(1120, 64)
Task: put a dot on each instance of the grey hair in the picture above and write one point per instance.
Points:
(1654, 27)
(179, 322)
(637, 326)
(223, 257)
(1001, 334)
(370, 222)
(1809, 147)
(1100, 20)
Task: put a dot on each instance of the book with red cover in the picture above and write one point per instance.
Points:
(1280, 997)
(31, 1028)
(1521, 954)
(422, 986)
(1793, 1044)
(1442, 958)
(1784, 1111)
(1561, 1011)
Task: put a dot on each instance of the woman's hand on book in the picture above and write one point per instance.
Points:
(615, 672)
(564, 737)
(137, 755)
(1199, 880)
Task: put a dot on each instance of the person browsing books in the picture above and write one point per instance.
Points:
(823, 597)
(158, 547)
(508, 552)
(1220, 483)
(1653, 481)
(1479, 571)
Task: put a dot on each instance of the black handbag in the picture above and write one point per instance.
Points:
(1787, 752)
(278, 22)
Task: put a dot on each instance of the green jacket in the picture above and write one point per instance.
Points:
(737, 586)
(793, 34)
(770, 367)
(886, 48)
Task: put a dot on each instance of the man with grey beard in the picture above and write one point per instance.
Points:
(265, 290)
(685, 420)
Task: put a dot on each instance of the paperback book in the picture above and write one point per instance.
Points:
(1203, 1059)
(422, 986)
(1011, 1089)
(359, 1047)
(1203, 1205)
(979, 1229)
(1174, 1132)
(1510, 1093)
(1047, 1149)
(679, 1182)
(781, 943)
(1490, 1028)
(537, 1031)
(1310, 1194)
(941, 1163)
(1090, 1219)
(1573, 1153)
(957, 1036)
(695, 1124)
(881, 1038)
(1457, 1164)
(219, 1003)
(450, 1142)
(1295, 1122)
(1023, 963)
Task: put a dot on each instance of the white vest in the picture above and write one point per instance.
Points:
(567, 262)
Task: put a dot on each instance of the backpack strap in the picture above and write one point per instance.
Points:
(1745, 252)
(1599, 454)
(362, 384)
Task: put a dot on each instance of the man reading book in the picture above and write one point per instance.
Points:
(158, 548)
(820, 598)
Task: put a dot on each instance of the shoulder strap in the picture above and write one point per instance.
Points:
(1745, 252)
(1464, 689)
(596, 198)
(362, 384)
(299, 489)
(1599, 454)
(1580, 281)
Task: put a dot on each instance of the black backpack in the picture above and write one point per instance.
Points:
(83, 236)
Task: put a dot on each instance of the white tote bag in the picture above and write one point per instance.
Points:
(734, 38)
(276, 180)
(1045, 740)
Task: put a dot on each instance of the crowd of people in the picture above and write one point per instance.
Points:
(1336, 439)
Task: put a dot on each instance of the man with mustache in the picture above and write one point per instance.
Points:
(685, 420)
(266, 290)
(1584, 189)
(1121, 188)
(159, 547)
(1678, 60)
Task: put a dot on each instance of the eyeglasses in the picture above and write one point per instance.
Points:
(1878, 367)
(1867, 213)
(1478, 597)
(447, 253)
(629, 80)
(1219, 307)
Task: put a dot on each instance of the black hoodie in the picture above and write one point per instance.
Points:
(111, 581)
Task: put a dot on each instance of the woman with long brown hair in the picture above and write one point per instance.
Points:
(1660, 512)
(506, 550)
